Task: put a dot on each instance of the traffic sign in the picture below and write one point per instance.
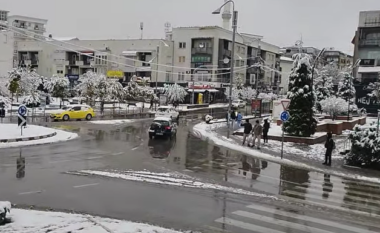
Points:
(22, 110)
(285, 116)
(285, 104)
(21, 120)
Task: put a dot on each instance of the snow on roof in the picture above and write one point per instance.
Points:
(286, 59)
(65, 38)
(363, 69)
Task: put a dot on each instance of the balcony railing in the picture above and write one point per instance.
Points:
(370, 42)
(205, 50)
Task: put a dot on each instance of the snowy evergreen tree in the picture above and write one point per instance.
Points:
(301, 122)
(323, 84)
(334, 106)
(87, 87)
(346, 89)
(175, 93)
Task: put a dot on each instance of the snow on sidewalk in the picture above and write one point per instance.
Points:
(206, 132)
(33, 131)
(13, 131)
(32, 221)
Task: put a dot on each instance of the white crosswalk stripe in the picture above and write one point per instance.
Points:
(330, 193)
(258, 218)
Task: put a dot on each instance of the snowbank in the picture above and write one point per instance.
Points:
(41, 221)
(205, 131)
(171, 179)
(12, 131)
(59, 137)
(112, 122)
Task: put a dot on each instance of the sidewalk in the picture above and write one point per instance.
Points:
(295, 155)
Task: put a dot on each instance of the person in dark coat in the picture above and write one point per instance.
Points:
(233, 117)
(247, 130)
(266, 127)
(330, 146)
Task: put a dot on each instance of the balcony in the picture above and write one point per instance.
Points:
(369, 43)
(226, 53)
(205, 50)
(142, 66)
(79, 63)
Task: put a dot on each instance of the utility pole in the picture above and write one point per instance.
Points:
(157, 67)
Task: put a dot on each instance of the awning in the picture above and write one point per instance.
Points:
(372, 69)
(143, 68)
(202, 90)
(129, 53)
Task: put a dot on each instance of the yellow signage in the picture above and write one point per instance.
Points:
(115, 74)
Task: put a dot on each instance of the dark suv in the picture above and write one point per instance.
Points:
(163, 127)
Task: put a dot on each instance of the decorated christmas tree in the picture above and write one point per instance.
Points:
(301, 122)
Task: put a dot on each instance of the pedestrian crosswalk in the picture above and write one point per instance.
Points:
(267, 219)
(338, 197)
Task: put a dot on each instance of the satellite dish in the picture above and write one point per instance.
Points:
(201, 45)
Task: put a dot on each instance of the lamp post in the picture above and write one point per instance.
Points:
(234, 26)
(157, 67)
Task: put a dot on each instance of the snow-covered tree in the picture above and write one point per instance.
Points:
(235, 93)
(323, 84)
(87, 87)
(267, 96)
(57, 86)
(115, 90)
(247, 93)
(346, 89)
(239, 81)
(32, 100)
(375, 91)
(365, 150)
(334, 106)
(175, 93)
(301, 122)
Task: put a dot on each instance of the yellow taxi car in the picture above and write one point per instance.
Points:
(76, 112)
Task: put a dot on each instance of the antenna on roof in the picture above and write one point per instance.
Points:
(142, 30)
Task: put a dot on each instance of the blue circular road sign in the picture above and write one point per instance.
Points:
(22, 110)
(285, 116)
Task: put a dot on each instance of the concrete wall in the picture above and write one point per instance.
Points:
(6, 52)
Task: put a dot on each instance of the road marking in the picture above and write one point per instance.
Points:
(135, 148)
(31, 192)
(119, 153)
(85, 185)
(246, 226)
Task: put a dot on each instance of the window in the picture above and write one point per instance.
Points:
(59, 71)
(182, 59)
(167, 76)
(76, 108)
(182, 45)
(241, 63)
(181, 76)
(3, 16)
(101, 60)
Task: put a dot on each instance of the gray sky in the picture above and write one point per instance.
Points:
(322, 23)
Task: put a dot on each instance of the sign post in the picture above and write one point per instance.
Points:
(2, 113)
(284, 116)
(22, 110)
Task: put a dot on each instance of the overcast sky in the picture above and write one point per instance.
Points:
(322, 23)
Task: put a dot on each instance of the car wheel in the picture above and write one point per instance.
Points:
(66, 117)
(88, 117)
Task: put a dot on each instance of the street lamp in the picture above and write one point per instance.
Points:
(157, 66)
(348, 98)
(234, 26)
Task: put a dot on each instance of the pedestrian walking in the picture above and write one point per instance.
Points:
(233, 117)
(256, 133)
(239, 118)
(228, 117)
(330, 146)
(266, 130)
(151, 103)
(247, 130)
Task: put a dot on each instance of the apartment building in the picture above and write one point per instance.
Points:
(291, 50)
(339, 58)
(72, 57)
(367, 48)
(286, 67)
(208, 50)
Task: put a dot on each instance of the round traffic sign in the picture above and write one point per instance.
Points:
(285, 116)
(22, 110)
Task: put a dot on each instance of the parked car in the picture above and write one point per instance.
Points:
(164, 127)
(77, 112)
(167, 111)
(238, 104)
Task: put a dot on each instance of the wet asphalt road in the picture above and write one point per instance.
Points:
(126, 147)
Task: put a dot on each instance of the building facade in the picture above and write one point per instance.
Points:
(286, 67)
(339, 58)
(208, 51)
(367, 49)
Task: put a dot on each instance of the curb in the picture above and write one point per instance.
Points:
(28, 138)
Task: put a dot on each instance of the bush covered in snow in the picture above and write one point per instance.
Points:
(5, 207)
(334, 106)
(175, 93)
(208, 118)
(365, 149)
(301, 122)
